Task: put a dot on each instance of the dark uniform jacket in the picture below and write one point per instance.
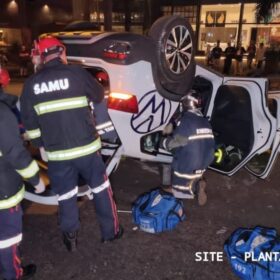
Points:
(55, 110)
(15, 161)
(192, 142)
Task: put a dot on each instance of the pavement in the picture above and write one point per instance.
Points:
(238, 201)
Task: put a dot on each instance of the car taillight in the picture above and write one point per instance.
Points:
(114, 55)
(117, 50)
(123, 102)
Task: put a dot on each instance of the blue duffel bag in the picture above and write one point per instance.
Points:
(254, 254)
(157, 211)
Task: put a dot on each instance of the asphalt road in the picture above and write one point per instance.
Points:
(238, 201)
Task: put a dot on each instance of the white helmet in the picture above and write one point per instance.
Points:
(191, 101)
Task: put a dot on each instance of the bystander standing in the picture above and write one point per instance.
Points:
(239, 59)
(229, 55)
(216, 54)
(260, 55)
(23, 61)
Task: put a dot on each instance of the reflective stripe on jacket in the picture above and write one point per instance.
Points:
(56, 112)
(13, 200)
(15, 161)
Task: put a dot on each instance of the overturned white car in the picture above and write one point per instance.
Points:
(146, 76)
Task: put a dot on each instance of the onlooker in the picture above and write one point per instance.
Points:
(23, 61)
(260, 55)
(208, 56)
(251, 54)
(239, 59)
(36, 60)
(3, 59)
(229, 55)
(216, 54)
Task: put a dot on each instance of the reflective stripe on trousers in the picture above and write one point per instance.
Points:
(190, 176)
(10, 236)
(102, 187)
(10, 241)
(186, 188)
(68, 195)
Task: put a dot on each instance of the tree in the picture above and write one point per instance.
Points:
(263, 9)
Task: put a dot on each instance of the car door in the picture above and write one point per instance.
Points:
(261, 164)
(245, 130)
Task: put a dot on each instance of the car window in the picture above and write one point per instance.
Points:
(232, 124)
(204, 88)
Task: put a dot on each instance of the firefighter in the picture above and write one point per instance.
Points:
(192, 145)
(56, 114)
(15, 164)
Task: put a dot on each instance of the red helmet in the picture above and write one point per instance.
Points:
(49, 45)
(4, 77)
(102, 76)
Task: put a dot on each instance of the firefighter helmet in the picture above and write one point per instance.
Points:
(49, 45)
(191, 101)
(4, 77)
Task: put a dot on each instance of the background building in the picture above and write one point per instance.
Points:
(230, 21)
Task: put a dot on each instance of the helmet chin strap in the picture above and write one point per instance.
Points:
(51, 57)
(60, 54)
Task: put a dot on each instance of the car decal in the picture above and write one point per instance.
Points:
(154, 111)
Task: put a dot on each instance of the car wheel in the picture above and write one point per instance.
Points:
(175, 64)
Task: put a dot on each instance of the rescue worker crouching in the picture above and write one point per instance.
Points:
(56, 114)
(192, 145)
(15, 164)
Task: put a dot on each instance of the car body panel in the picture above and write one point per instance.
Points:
(264, 124)
(134, 73)
(246, 129)
(264, 165)
(155, 111)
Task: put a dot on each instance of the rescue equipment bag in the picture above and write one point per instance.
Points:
(157, 211)
(254, 254)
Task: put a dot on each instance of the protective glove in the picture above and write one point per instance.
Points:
(168, 129)
(43, 153)
(25, 136)
(174, 142)
(40, 187)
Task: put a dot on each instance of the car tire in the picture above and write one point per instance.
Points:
(174, 68)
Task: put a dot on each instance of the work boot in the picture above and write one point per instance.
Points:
(201, 193)
(28, 271)
(118, 235)
(70, 240)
